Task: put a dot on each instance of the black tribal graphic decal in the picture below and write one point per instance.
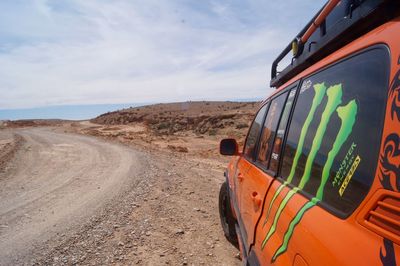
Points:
(389, 174)
(395, 90)
(389, 259)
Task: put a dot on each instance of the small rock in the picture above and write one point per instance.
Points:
(179, 232)
(237, 256)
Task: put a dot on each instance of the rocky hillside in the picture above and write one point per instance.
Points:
(200, 117)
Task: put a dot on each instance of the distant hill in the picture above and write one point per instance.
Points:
(200, 117)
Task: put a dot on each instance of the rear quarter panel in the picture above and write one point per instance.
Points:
(320, 238)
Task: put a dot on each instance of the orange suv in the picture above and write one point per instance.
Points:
(318, 179)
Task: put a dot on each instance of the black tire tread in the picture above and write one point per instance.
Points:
(228, 222)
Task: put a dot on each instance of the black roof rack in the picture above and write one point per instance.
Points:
(335, 25)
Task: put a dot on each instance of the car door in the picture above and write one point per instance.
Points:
(243, 166)
(257, 179)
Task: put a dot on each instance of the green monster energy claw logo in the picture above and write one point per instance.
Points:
(319, 95)
(347, 115)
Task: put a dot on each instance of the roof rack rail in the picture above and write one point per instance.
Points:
(338, 23)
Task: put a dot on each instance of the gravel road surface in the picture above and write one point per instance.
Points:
(55, 182)
(69, 199)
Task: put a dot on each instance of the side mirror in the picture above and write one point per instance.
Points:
(228, 147)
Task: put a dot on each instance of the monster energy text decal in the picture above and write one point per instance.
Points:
(344, 166)
(346, 170)
(349, 175)
(347, 115)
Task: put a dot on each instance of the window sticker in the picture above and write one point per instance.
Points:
(344, 166)
(347, 114)
(305, 86)
(318, 96)
(349, 175)
(346, 170)
(275, 156)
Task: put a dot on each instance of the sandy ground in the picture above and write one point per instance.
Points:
(71, 199)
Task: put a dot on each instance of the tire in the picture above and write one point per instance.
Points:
(226, 216)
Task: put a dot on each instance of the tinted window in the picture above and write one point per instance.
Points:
(269, 129)
(332, 147)
(281, 132)
(254, 132)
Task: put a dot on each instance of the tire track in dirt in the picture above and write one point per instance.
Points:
(162, 209)
(56, 180)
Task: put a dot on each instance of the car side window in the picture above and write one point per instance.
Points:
(276, 150)
(269, 129)
(254, 132)
(332, 148)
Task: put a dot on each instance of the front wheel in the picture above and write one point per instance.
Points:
(226, 216)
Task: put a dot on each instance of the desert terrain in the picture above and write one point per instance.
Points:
(137, 186)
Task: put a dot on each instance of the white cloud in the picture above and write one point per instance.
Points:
(86, 52)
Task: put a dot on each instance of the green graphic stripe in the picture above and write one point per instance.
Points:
(320, 90)
(319, 95)
(334, 99)
(347, 115)
(291, 227)
(334, 94)
(273, 200)
(278, 214)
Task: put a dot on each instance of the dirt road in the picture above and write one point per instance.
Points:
(57, 180)
(68, 199)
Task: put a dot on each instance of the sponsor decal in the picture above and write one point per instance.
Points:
(319, 90)
(347, 115)
(305, 86)
(349, 175)
(344, 166)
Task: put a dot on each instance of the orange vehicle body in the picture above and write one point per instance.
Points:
(319, 237)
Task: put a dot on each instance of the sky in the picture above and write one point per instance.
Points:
(78, 52)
